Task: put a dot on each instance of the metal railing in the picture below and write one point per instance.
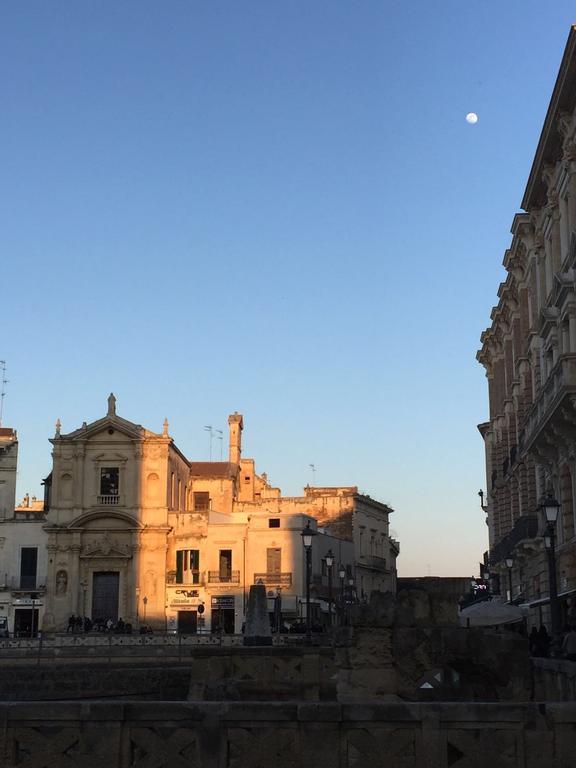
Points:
(187, 578)
(561, 380)
(274, 579)
(526, 527)
(377, 562)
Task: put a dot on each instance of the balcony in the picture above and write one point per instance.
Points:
(223, 577)
(187, 578)
(374, 562)
(526, 527)
(273, 579)
(109, 500)
(557, 391)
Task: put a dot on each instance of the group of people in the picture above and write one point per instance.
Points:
(540, 641)
(85, 624)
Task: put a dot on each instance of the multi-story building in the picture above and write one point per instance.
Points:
(529, 353)
(136, 530)
(22, 548)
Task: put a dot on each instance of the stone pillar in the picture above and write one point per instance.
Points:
(74, 579)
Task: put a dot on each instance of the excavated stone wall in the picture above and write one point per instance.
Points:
(287, 735)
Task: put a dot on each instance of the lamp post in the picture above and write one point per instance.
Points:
(329, 559)
(351, 600)
(342, 575)
(33, 597)
(145, 601)
(307, 536)
(509, 562)
(550, 508)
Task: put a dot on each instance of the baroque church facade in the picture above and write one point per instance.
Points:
(136, 530)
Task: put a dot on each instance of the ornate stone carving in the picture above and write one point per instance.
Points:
(61, 583)
(105, 546)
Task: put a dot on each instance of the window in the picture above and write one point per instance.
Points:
(274, 522)
(273, 560)
(188, 566)
(28, 565)
(225, 565)
(247, 479)
(201, 501)
(109, 481)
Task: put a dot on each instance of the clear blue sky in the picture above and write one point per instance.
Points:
(276, 208)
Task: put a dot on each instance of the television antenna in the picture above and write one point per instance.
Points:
(220, 436)
(3, 383)
(313, 468)
(211, 431)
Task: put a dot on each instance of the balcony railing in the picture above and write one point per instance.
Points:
(561, 381)
(194, 578)
(109, 500)
(274, 579)
(224, 577)
(376, 562)
(526, 527)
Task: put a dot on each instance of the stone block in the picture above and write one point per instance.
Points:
(379, 612)
(413, 608)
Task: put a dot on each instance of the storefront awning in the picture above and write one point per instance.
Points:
(490, 613)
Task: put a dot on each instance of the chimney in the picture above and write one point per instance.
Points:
(236, 425)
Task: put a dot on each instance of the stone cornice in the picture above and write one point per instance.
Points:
(549, 150)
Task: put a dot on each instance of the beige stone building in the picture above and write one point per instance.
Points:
(136, 530)
(22, 548)
(8, 469)
(529, 352)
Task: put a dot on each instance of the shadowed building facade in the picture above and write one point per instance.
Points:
(529, 353)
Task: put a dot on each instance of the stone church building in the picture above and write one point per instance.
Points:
(136, 530)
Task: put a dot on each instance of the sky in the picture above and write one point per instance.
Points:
(276, 208)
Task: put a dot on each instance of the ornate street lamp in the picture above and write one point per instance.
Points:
(307, 536)
(550, 508)
(509, 562)
(329, 560)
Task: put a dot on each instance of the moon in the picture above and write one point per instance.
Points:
(472, 118)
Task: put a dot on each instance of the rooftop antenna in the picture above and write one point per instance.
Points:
(210, 430)
(313, 468)
(220, 436)
(3, 382)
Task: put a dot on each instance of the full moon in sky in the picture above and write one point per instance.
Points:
(472, 118)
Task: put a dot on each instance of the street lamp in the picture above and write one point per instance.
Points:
(351, 592)
(509, 562)
(145, 601)
(33, 597)
(329, 560)
(550, 507)
(307, 536)
(342, 575)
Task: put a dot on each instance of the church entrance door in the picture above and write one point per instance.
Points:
(105, 590)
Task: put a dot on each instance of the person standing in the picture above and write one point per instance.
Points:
(569, 644)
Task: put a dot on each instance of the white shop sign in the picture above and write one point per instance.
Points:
(27, 601)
